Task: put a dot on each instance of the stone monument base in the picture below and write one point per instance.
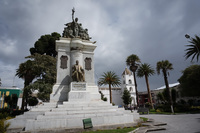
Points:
(81, 92)
(51, 117)
(59, 93)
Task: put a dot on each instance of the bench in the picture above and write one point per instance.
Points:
(87, 123)
(143, 110)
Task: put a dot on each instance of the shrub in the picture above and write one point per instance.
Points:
(105, 99)
(181, 101)
(3, 127)
(152, 110)
(181, 108)
(158, 110)
(164, 108)
(3, 115)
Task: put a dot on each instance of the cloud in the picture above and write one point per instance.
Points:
(153, 30)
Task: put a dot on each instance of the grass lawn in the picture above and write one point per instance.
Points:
(120, 130)
(123, 130)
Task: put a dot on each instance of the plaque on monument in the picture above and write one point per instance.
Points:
(63, 62)
(78, 86)
(88, 63)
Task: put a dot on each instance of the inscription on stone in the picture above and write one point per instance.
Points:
(78, 86)
(63, 62)
(88, 63)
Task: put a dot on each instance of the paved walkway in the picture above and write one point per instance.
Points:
(186, 123)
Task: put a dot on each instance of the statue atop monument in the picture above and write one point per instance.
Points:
(75, 29)
(78, 74)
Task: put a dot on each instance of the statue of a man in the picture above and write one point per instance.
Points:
(76, 27)
(78, 74)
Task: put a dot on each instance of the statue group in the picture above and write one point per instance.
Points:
(75, 29)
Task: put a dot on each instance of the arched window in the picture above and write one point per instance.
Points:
(130, 89)
(129, 81)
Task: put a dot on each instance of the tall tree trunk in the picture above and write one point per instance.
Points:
(168, 90)
(149, 92)
(24, 97)
(136, 92)
(110, 93)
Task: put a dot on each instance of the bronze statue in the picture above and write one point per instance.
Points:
(78, 73)
(75, 29)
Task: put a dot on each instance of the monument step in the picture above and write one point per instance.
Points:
(86, 115)
(30, 115)
(94, 103)
(34, 125)
(78, 112)
(41, 109)
(83, 108)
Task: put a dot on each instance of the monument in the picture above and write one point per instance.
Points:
(75, 96)
(75, 65)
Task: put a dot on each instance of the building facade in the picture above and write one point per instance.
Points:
(9, 91)
(127, 82)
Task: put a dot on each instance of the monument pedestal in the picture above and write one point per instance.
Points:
(81, 92)
(69, 51)
(78, 92)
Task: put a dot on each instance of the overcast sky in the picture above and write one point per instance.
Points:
(154, 30)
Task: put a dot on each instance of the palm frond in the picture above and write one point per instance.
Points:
(145, 69)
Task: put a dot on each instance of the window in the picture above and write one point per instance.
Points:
(129, 81)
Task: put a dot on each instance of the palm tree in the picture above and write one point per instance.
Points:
(165, 66)
(26, 72)
(111, 79)
(132, 61)
(194, 47)
(146, 70)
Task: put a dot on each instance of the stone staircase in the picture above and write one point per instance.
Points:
(69, 115)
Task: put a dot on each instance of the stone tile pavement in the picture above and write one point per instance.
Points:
(184, 123)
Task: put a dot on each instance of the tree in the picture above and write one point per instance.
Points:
(160, 97)
(132, 61)
(189, 81)
(146, 70)
(165, 66)
(194, 48)
(111, 79)
(32, 101)
(46, 45)
(42, 68)
(45, 66)
(126, 97)
(174, 95)
(27, 72)
(102, 96)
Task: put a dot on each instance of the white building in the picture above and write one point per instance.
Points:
(127, 81)
(129, 84)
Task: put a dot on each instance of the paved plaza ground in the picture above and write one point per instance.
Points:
(184, 123)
